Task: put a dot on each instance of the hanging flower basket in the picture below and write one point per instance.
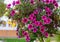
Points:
(35, 18)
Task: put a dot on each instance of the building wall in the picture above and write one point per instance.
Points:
(8, 33)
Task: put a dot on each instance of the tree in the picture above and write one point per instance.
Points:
(2, 7)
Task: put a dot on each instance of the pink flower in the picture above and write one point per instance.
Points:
(44, 17)
(42, 29)
(30, 26)
(24, 33)
(12, 13)
(32, 1)
(24, 20)
(49, 13)
(32, 17)
(56, 4)
(35, 30)
(27, 39)
(8, 6)
(18, 2)
(54, 1)
(19, 36)
(13, 3)
(38, 23)
(35, 11)
(47, 1)
(46, 34)
(47, 9)
(47, 21)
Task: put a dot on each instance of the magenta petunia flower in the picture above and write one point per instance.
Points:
(24, 20)
(47, 9)
(56, 4)
(47, 21)
(27, 39)
(25, 33)
(42, 29)
(35, 11)
(54, 1)
(44, 17)
(18, 2)
(12, 13)
(19, 36)
(32, 17)
(13, 3)
(35, 30)
(38, 23)
(30, 26)
(47, 1)
(43, 0)
(8, 6)
(32, 1)
(49, 13)
(46, 34)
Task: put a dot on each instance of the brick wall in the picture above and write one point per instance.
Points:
(8, 33)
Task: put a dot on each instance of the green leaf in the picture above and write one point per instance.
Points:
(48, 39)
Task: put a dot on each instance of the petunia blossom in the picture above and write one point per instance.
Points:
(44, 17)
(32, 17)
(27, 39)
(30, 26)
(24, 33)
(13, 3)
(19, 36)
(24, 20)
(38, 23)
(32, 1)
(42, 29)
(18, 2)
(12, 13)
(35, 30)
(46, 34)
(35, 11)
(47, 21)
(49, 13)
(8, 6)
(47, 1)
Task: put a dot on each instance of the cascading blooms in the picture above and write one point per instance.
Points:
(35, 18)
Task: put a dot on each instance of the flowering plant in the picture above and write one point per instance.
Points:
(35, 18)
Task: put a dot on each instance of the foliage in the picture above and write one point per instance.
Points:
(2, 8)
